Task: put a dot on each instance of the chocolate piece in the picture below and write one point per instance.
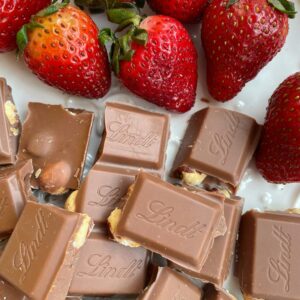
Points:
(14, 192)
(213, 293)
(39, 258)
(216, 267)
(108, 268)
(268, 255)
(178, 224)
(134, 138)
(219, 143)
(101, 192)
(8, 292)
(10, 125)
(171, 285)
(56, 139)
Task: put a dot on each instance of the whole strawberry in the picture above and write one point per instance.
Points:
(61, 47)
(278, 155)
(186, 11)
(156, 60)
(239, 38)
(13, 15)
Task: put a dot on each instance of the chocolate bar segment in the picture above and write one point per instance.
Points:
(218, 143)
(171, 221)
(101, 192)
(14, 193)
(268, 255)
(40, 256)
(8, 292)
(108, 268)
(217, 264)
(10, 125)
(56, 139)
(213, 293)
(134, 138)
(171, 285)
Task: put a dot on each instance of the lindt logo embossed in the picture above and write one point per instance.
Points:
(3, 203)
(160, 215)
(125, 134)
(221, 143)
(102, 266)
(108, 196)
(280, 267)
(28, 251)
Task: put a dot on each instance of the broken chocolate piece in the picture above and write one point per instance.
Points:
(41, 254)
(219, 143)
(268, 255)
(171, 285)
(179, 225)
(10, 125)
(14, 193)
(108, 268)
(56, 139)
(134, 138)
(213, 293)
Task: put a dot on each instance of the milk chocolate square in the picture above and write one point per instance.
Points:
(56, 139)
(220, 143)
(10, 125)
(40, 256)
(14, 193)
(213, 293)
(101, 192)
(108, 268)
(268, 255)
(134, 138)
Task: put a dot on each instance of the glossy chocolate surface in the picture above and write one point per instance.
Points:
(108, 268)
(213, 293)
(268, 256)
(56, 139)
(219, 143)
(10, 125)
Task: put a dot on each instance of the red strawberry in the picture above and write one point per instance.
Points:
(239, 38)
(278, 155)
(62, 49)
(186, 11)
(13, 15)
(160, 64)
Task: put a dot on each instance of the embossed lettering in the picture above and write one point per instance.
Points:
(221, 143)
(108, 196)
(102, 266)
(160, 215)
(280, 267)
(28, 251)
(123, 134)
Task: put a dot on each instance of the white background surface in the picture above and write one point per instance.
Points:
(252, 100)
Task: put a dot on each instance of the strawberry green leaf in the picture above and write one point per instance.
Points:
(53, 8)
(119, 15)
(284, 6)
(128, 55)
(132, 21)
(115, 58)
(140, 36)
(106, 35)
(231, 2)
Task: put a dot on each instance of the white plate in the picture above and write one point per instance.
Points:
(252, 101)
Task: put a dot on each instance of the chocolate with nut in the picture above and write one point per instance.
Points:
(10, 125)
(56, 139)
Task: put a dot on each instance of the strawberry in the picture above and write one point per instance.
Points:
(186, 11)
(61, 47)
(278, 154)
(13, 15)
(239, 38)
(156, 59)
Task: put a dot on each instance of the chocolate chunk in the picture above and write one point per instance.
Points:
(219, 143)
(216, 267)
(8, 292)
(10, 125)
(171, 221)
(134, 138)
(213, 293)
(171, 285)
(108, 268)
(39, 258)
(56, 139)
(101, 192)
(14, 192)
(268, 255)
